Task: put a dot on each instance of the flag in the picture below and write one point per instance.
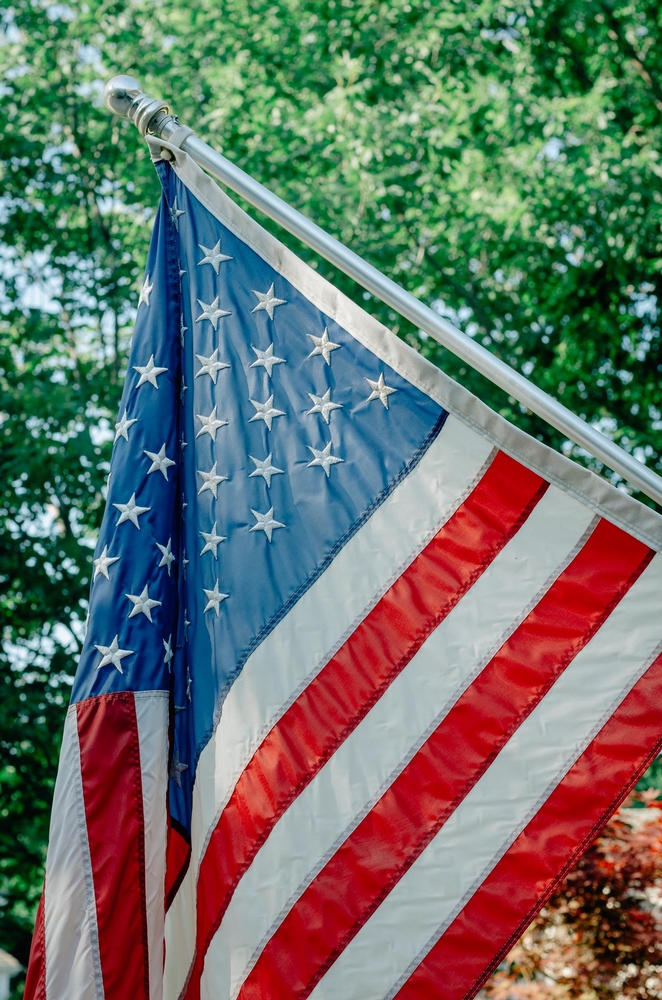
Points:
(366, 666)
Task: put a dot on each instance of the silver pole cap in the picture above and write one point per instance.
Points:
(123, 96)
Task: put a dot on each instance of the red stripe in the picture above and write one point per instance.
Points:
(178, 855)
(35, 981)
(343, 692)
(112, 792)
(390, 838)
(517, 888)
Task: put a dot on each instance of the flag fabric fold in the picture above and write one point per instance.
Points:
(366, 666)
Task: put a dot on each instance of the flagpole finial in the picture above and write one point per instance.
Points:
(124, 96)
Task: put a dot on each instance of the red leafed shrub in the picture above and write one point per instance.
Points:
(600, 935)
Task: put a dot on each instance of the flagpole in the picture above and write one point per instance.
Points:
(123, 96)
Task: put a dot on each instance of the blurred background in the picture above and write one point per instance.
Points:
(501, 160)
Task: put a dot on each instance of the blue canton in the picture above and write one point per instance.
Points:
(254, 437)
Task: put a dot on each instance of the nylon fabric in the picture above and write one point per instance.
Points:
(72, 960)
(112, 790)
(335, 701)
(323, 814)
(388, 840)
(503, 800)
(309, 636)
(35, 981)
(152, 716)
(476, 941)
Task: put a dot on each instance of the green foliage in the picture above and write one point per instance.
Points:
(499, 159)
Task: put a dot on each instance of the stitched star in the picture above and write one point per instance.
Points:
(142, 604)
(112, 654)
(324, 458)
(189, 682)
(214, 599)
(182, 329)
(167, 557)
(265, 522)
(266, 412)
(323, 346)
(380, 391)
(267, 301)
(210, 481)
(169, 654)
(210, 424)
(175, 213)
(130, 511)
(264, 469)
(102, 563)
(145, 292)
(212, 541)
(122, 427)
(266, 359)
(149, 373)
(213, 256)
(212, 312)
(211, 366)
(323, 405)
(177, 768)
(159, 462)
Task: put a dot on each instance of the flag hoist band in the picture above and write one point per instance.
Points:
(366, 667)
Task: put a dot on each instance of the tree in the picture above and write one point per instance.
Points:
(499, 159)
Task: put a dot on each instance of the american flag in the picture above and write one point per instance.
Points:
(366, 667)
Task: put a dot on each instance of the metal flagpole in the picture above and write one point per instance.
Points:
(123, 96)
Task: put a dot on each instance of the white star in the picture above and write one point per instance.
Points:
(266, 411)
(149, 373)
(211, 366)
(210, 424)
(142, 604)
(122, 427)
(167, 659)
(265, 522)
(112, 654)
(323, 346)
(167, 558)
(145, 292)
(380, 391)
(268, 302)
(323, 404)
(175, 213)
(266, 359)
(264, 469)
(211, 311)
(103, 562)
(324, 458)
(213, 256)
(159, 462)
(176, 769)
(214, 598)
(130, 511)
(212, 541)
(210, 481)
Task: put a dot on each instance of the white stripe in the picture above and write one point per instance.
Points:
(152, 716)
(73, 965)
(309, 635)
(503, 801)
(365, 763)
